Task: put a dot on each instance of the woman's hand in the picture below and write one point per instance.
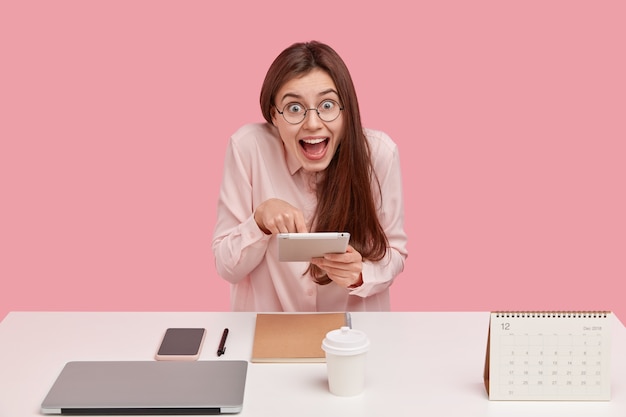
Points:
(277, 216)
(343, 268)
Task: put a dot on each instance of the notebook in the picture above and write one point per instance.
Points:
(294, 337)
(148, 387)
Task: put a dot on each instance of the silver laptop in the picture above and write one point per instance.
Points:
(148, 387)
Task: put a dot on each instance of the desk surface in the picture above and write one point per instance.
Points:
(419, 363)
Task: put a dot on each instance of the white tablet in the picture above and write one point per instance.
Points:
(301, 247)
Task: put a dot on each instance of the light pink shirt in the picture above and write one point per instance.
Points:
(257, 168)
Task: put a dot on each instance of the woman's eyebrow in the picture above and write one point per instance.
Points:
(299, 97)
(290, 95)
(328, 91)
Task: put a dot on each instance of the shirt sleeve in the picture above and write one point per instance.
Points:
(239, 245)
(378, 276)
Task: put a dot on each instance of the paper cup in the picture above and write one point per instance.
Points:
(346, 350)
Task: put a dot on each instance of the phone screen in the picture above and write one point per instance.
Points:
(181, 342)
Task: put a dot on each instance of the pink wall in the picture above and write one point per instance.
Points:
(510, 116)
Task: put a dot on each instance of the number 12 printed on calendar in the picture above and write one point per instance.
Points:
(549, 355)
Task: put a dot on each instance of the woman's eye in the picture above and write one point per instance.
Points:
(294, 108)
(327, 105)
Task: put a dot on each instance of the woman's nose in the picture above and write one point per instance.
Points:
(312, 119)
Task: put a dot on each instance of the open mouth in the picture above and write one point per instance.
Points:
(314, 148)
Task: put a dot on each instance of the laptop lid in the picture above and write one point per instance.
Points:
(148, 387)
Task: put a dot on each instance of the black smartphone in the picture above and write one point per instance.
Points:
(181, 344)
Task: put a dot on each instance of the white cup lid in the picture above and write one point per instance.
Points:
(345, 341)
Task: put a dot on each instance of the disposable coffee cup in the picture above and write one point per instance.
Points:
(346, 350)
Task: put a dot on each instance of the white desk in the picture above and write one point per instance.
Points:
(420, 364)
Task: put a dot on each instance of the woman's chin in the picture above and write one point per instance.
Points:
(315, 165)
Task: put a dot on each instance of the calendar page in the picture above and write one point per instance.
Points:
(549, 356)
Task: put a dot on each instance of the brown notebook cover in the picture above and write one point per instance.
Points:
(293, 337)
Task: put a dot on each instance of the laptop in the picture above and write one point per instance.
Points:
(148, 387)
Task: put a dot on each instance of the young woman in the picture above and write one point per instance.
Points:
(311, 168)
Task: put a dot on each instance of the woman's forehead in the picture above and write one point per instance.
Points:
(313, 84)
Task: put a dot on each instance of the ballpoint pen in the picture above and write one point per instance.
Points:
(222, 347)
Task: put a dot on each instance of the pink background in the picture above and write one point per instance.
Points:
(510, 118)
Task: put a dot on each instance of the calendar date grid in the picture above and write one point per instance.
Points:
(547, 364)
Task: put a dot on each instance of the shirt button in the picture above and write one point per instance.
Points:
(310, 292)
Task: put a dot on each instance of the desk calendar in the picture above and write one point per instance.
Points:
(555, 355)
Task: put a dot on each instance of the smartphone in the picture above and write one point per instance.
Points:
(181, 344)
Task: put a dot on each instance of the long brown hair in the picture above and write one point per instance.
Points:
(345, 199)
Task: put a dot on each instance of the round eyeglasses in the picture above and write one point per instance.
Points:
(295, 113)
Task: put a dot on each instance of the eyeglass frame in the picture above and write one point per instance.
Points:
(306, 110)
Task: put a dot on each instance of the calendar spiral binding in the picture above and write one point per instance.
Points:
(553, 314)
